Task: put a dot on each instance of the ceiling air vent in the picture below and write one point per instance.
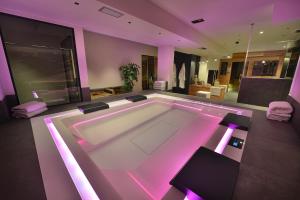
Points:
(196, 21)
(111, 12)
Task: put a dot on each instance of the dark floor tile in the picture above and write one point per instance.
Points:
(254, 183)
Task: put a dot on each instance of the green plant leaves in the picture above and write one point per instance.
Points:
(129, 73)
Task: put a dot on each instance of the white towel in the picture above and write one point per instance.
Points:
(30, 106)
(181, 77)
(280, 107)
(278, 117)
(29, 114)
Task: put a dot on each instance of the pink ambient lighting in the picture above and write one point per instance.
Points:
(133, 107)
(224, 141)
(141, 186)
(82, 184)
(190, 195)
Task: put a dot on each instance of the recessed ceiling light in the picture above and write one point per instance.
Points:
(261, 32)
(284, 47)
(196, 21)
(228, 56)
(129, 22)
(215, 60)
(263, 62)
(111, 12)
(76, 3)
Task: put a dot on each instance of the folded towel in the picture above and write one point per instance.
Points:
(30, 106)
(29, 114)
(278, 117)
(278, 114)
(280, 107)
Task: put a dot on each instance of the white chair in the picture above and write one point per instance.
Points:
(203, 94)
(216, 91)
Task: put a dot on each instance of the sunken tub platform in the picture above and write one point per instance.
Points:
(132, 150)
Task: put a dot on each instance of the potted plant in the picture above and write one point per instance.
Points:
(129, 74)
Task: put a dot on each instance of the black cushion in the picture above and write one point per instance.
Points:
(239, 121)
(92, 107)
(136, 98)
(208, 174)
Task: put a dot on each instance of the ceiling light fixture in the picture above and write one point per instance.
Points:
(216, 60)
(228, 56)
(196, 21)
(111, 12)
(261, 32)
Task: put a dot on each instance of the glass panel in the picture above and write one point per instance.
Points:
(265, 68)
(41, 59)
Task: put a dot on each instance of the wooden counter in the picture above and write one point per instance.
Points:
(193, 89)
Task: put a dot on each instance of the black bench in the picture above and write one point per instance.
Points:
(92, 107)
(136, 98)
(238, 121)
(208, 174)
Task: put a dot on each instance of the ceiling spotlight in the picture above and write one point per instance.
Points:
(284, 47)
(228, 56)
(263, 62)
(215, 60)
(261, 32)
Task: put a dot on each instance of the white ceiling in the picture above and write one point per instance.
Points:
(86, 15)
(226, 21)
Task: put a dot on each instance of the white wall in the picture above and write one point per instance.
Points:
(295, 88)
(165, 64)
(81, 57)
(106, 54)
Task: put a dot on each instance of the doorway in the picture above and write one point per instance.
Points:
(149, 71)
(235, 77)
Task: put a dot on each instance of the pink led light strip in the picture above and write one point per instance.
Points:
(75, 125)
(81, 182)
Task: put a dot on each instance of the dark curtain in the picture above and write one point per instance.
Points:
(186, 59)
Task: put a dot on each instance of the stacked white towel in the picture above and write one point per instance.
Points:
(280, 111)
(29, 109)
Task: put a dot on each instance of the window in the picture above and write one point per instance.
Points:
(265, 68)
